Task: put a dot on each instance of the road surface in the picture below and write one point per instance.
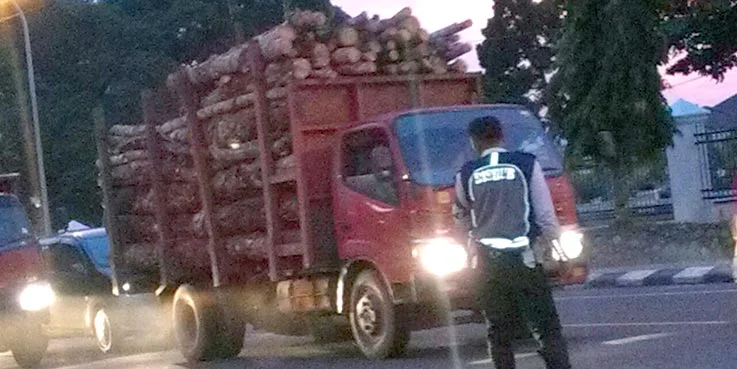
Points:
(668, 327)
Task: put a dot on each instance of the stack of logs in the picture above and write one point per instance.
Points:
(303, 47)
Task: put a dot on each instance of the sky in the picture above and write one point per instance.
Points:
(436, 14)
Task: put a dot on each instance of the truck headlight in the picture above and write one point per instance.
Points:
(36, 296)
(441, 256)
(570, 244)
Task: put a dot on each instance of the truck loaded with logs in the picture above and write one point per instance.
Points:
(305, 179)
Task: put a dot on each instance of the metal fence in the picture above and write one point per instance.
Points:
(718, 150)
(650, 191)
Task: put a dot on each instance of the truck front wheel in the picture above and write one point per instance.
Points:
(378, 327)
(29, 346)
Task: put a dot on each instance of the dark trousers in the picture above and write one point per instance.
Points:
(510, 290)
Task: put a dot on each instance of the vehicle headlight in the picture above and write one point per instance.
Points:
(441, 256)
(570, 244)
(36, 296)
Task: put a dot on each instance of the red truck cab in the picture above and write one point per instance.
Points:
(24, 295)
(402, 221)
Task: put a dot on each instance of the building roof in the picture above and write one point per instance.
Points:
(724, 115)
(683, 108)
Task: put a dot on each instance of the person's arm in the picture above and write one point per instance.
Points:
(542, 204)
(461, 207)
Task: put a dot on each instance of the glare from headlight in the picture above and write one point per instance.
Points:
(36, 296)
(570, 243)
(441, 256)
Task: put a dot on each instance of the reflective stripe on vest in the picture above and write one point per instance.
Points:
(505, 243)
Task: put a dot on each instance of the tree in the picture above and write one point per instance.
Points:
(607, 90)
(706, 31)
(518, 50)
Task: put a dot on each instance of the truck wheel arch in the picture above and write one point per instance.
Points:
(348, 274)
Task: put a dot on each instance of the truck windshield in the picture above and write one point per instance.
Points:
(13, 222)
(435, 144)
(98, 249)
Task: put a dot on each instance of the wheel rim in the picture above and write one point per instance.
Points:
(102, 331)
(369, 316)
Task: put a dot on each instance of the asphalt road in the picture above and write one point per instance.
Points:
(670, 327)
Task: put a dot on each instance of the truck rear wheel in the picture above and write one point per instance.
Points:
(378, 327)
(204, 329)
(29, 347)
(195, 325)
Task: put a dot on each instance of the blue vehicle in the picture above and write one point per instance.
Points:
(80, 275)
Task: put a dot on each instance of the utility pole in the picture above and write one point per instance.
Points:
(37, 172)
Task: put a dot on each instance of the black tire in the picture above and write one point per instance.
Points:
(379, 329)
(107, 336)
(195, 324)
(30, 346)
(326, 330)
(232, 331)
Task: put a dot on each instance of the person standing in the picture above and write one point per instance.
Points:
(503, 200)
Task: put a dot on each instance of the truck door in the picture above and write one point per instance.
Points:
(369, 219)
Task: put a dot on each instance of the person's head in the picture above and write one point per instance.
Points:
(485, 133)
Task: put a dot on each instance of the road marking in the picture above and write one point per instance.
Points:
(646, 324)
(516, 356)
(652, 294)
(633, 339)
(692, 275)
(635, 278)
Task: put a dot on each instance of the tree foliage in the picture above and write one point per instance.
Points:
(518, 52)
(706, 31)
(607, 92)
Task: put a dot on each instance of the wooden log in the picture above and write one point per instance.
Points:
(276, 93)
(127, 130)
(128, 157)
(404, 36)
(390, 45)
(423, 36)
(372, 46)
(245, 216)
(347, 37)
(369, 56)
(232, 61)
(301, 68)
(305, 19)
(277, 42)
(181, 198)
(237, 181)
(238, 126)
(359, 20)
(346, 55)
(411, 24)
(227, 106)
(282, 146)
(452, 29)
(362, 68)
(172, 125)
(286, 163)
(253, 246)
(390, 34)
(409, 67)
(457, 50)
(289, 208)
(391, 69)
(120, 144)
(320, 56)
(396, 19)
(324, 73)
(132, 171)
(393, 56)
(228, 86)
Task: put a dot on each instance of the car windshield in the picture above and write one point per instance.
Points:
(14, 224)
(98, 248)
(435, 144)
